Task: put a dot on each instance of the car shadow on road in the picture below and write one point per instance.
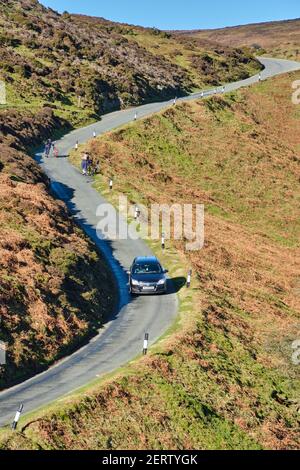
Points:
(105, 247)
(176, 284)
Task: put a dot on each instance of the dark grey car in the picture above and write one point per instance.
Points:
(147, 276)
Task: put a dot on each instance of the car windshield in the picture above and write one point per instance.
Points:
(147, 268)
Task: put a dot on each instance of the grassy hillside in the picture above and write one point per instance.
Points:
(83, 67)
(55, 289)
(277, 38)
(225, 379)
(203, 62)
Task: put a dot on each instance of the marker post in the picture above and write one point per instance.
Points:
(163, 241)
(137, 213)
(17, 417)
(2, 354)
(189, 278)
(145, 348)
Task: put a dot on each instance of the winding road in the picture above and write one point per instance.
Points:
(121, 339)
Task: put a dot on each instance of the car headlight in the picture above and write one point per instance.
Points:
(161, 282)
(134, 282)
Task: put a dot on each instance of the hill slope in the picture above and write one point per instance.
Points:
(276, 38)
(226, 380)
(55, 290)
(85, 66)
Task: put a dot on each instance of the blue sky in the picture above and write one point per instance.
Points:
(182, 14)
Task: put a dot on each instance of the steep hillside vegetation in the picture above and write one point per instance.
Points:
(55, 289)
(84, 66)
(202, 62)
(226, 380)
(277, 38)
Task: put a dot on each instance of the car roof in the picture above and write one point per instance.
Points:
(146, 259)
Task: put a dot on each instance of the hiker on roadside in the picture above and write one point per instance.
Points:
(90, 165)
(84, 163)
(55, 151)
(97, 167)
(47, 150)
(48, 146)
(51, 144)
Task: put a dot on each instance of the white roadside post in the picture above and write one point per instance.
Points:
(135, 116)
(189, 278)
(163, 241)
(94, 134)
(111, 184)
(136, 213)
(2, 354)
(76, 145)
(17, 417)
(145, 348)
(202, 94)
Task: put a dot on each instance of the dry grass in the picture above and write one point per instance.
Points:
(50, 299)
(83, 67)
(226, 381)
(279, 39)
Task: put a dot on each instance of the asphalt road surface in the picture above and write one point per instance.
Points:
(121, 339)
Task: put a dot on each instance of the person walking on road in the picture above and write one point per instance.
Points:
(48, 146)
(55, 151)
(47, 150)
(90, 165)
(84, 163)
